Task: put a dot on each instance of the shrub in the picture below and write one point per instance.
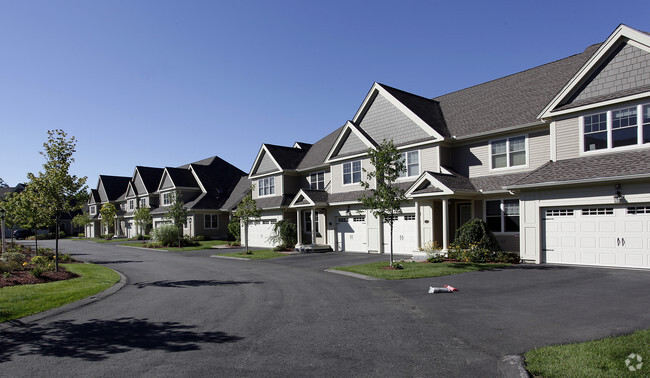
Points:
(107, 236)
(14, 257)
(435, 258)
(507, 257)
(200, 238)
(234, 229)
(476, 232)
(8, 266)
(66, 258)
(284, 234)
(166, 235)
(40, 261)
(81, 235)
(47, 252)
(6, 274)
(234, 243)
(434, 252)
(143, 237)
(397, 265)
(37, 272)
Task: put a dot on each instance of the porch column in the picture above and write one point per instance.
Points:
(418, 234)
(299, 226)
(445, 224)
(313, 224)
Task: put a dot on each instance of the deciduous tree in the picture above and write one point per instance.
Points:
(246, 211)
(142, 218)
(385, 199)
(108, 212)
(177, 213)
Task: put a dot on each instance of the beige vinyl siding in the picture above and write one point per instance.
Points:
(471, 160)
(266, 165)
(539, 148)
(139, 185)
(337, 177)
(429, 160)
(568, 138)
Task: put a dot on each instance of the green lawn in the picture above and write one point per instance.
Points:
(256, 255)
(19, 301)
(102, 240)
(416, 269)
(202, 245)
(600, 358)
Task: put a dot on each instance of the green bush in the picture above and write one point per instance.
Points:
(166, 235)
(66, 258)
(507, 257)
(200, 238)
(47, 252)
(81, 235)
(397, 265)
(234, 229)
(8, 266)
(40, 261)
(284, 234)
(107, 236)
(15, 257)
(143, 237)
(476, 233)
(37, 272)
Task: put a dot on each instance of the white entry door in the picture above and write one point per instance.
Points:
(351, 233)
(602, 235)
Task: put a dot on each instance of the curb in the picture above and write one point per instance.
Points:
(354, 275)
(230, 258)
(67, 307)
(511, 366)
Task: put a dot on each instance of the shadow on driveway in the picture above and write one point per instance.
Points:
(96, 339)
(193, 283)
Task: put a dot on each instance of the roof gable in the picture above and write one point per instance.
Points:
(618, 70)
(146, 179)
(111, 188)
(264, 163)
(349, 131)
(166, 182)
(130, 191)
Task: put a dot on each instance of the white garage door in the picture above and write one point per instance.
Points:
(351, 233)
(404, 234)
(259, 232)
(603, 235)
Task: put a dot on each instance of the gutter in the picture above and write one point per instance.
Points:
(499, 131)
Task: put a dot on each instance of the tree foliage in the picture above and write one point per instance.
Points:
(29, 212)
(476, 233)
(143, 219)
(284, 234)
(385, 198)
(177, 213)
(3, 184)
(108, 212)
(247, 211)
(60, 192)
(81, 221)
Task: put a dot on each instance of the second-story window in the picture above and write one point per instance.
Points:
(266, 186)
(411, 164)
(351, 172)
(616, 128)
(317, 181)
(131, 204)
(167, 198)
(509, 152)
(143, 202)
(92, 210)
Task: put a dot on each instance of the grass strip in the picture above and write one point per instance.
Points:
(416, 269)
(599, 358)
(23, 300)
(202, 245)
(256, 255)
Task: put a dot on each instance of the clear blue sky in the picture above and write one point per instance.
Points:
(164, 83)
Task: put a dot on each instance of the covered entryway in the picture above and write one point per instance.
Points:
(404, 234)
(351, 233)
(597, 235)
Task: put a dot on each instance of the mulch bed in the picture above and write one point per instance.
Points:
(26, 278)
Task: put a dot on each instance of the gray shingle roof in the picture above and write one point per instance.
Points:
(319, 150)
(509, 101)
(287, 157)
(150, 177)
(114, 186)
(182, 177)
(241, 189)
(454, 181)
(603, 166)
(318, 196)
(275, 202)
(496, 182)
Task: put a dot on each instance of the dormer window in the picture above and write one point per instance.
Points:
(92, 210)
(167, 198)
(352, 172)
(266, 186)
(317, 181)
(616, 128)
(131, 204)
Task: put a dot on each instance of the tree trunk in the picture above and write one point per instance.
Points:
(391, 241)
(56, 251)
(36, 239)
(246, 236)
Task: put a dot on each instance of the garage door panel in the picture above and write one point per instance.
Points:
(599, 235)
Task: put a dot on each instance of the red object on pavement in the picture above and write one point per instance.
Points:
(451, 288)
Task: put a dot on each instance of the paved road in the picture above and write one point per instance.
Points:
(187, 314)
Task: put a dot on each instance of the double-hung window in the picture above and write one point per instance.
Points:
(266, 186)
(131, 204)
(317, 181)
(411, 161)
(167, 198)
(352, 172)
(502, 215)
(92, 210)
(628, 126)
(143, 202)
(508, 152)
(211, 221)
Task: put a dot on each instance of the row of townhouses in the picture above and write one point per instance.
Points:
(556, 160)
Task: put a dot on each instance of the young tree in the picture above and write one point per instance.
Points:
(385, 200)
(81, 220)
(29, 211)
(10, 205)
(142, 218)
(108, 212)
(246, 211)
(60, 191)
(178, 214)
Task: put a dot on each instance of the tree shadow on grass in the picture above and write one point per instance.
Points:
(193, 283)
(106, 262)
(96, 340)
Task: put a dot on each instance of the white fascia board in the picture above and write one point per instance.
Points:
(505, 130)
(197, 179)
(577, 182)
(352, 129)
(302, 194)
(129, 185)
(162, 179)
(344, 203)
(622, 33)
(257, 161)
(426, 176)
(601, 104)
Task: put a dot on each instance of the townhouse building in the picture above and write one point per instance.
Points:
(556, 160)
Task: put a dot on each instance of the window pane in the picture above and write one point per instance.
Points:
(595, 141)
(596, 122)
(499, 147)
(494, 223)
(356, 166)
(413, 169)
(493, 208)
(511, 207)
(646, 133)
(511, 223)
(499, 161)
(347, 178)
(518, 158)
(347, 167)
(623, 118)
(624, 136)
(517, 144)
(356, 177)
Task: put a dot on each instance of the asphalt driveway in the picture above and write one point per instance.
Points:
(186, 313)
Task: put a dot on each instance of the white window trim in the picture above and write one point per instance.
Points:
(92, 210)
(316, 174)
(260, 187)
(143, 202)
(131, 204)
(503, 215)
(212, 226)
(406, 175)
(509, 167)
(609, 111)
(351, 172)
(169, 195)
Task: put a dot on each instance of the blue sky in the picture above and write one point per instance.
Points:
(164, 83)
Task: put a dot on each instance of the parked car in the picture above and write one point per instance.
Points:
(22, 233)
